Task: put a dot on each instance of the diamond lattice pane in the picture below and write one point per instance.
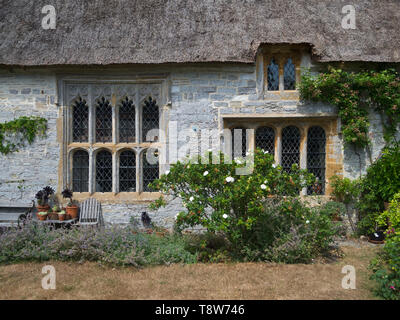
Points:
(290, 147)
(103, 121)
(150, 118)
(80, 121)
(80, 171)
(265, 139)
(289, 75)
(104, 172)
(150, 168)
(127, 171)
(273, 76)
(316, 143)
(127, 121)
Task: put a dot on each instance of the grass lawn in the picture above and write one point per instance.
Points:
(199, 281)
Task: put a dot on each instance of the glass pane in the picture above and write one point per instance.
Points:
(150, 117)
(273, 76)
(127, 121)
(104, 172)
(80, 171)
(265, 139)
(239, 142)
(316, 142)
(290, 147)
(103, 121)
(127, 171)
(150, 170)
(80, 120)
(289, 78)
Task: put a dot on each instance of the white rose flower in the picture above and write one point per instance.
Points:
(230, 179)
(205, 173)
(238, 161)
(274, 165)
(263, 186)
(167, 172)
(224, 216)
(176, 216)
(308, 221)
(191, 199)
(265, 152)
(266, 181)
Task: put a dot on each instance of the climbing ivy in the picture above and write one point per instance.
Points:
(15, 133)
(353, 93)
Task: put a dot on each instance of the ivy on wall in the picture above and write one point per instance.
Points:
(15, 133)
(353, 93)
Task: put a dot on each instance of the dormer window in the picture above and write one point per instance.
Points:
(281, 71)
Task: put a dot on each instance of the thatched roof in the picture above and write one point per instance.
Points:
(161, 31)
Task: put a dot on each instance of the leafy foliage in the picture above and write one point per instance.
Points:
(353, 93)
(115, 246)
(14, 134)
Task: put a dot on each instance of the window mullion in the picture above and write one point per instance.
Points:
(139, 171)
(303, 154)
(91, 171)
(91, 116)
(278, 149)
(115, 178)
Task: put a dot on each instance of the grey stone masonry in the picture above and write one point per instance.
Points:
(201, 97)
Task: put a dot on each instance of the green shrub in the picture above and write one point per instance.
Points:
(116, 246)
(379, 185)
(221, 201)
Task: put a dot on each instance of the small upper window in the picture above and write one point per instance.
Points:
(289, 75)
(273, 76)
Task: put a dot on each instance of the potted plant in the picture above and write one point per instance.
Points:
(42, 197)
(61, 215)
(42, 215)
(72, 208)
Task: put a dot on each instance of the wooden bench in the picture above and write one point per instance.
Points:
(9, 215)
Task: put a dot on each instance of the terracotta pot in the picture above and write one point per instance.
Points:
(61, 217)
(52, 216)
(72, 211)
(43, 208)
(42, 217)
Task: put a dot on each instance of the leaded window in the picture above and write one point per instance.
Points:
(150, 168)
(150, 117)
(239, 142)
(265, 139)
(290, 147)
(80, 171)
(103, 171)
(127, 129)
(289, 75)
(273, 76)
(127, 171)
(80, 120)
(103, 121)
(316, 142)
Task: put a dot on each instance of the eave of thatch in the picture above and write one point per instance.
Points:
(102, 32)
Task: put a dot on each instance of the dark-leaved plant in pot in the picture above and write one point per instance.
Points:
(72, 208)
(42, 198)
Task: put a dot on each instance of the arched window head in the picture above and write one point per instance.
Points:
(290, 147)
(289, 75)
(273, 76)
(103, 171)
(80, 120)
(316, 143)
(150, 120)
(127, 129)
(150, 168)
(80, 171)
(265, 139)
(103, 121)
(127, 171)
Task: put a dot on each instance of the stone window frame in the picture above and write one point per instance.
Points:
(68, 147)
(303, 123)
(280, 53)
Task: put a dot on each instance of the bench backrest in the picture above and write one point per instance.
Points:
(91, 212)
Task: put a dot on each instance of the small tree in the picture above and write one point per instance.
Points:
(220, 201)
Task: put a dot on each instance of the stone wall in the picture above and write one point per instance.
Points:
(202, 96)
